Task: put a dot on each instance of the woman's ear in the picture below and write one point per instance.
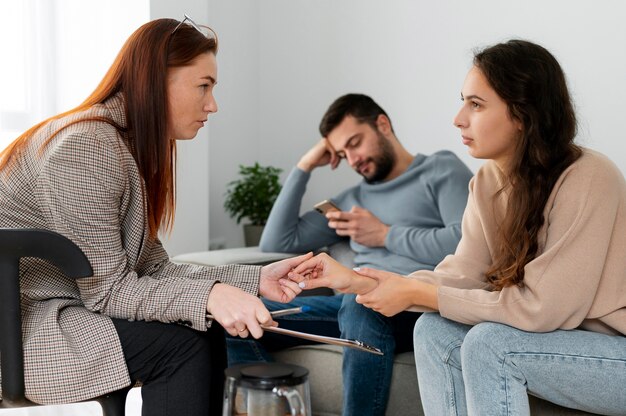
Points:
(519, 125)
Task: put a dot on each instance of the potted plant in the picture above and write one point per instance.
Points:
(252, 196)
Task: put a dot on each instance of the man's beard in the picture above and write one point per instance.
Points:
(383, 162)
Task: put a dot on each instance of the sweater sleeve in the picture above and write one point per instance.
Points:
(448, 186)
(80, 190)
(561, 282)
(287, 231)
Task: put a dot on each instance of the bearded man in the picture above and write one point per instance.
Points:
(404, 216)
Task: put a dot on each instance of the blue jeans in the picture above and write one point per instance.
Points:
(365, 375)
(490, 368)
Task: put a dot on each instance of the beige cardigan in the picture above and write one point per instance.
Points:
(577, 280)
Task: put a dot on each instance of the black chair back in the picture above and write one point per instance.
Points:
(63, 253)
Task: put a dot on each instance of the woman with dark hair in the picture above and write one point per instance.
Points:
(534, 298)
(102, 175)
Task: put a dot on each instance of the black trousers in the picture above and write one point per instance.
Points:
(182, 370)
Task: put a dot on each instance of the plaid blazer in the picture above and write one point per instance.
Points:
(86, 186)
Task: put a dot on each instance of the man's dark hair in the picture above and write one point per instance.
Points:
(359, 106)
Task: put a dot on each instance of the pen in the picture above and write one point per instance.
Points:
(290, 311)
(282, 312)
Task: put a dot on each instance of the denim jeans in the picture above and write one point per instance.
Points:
(490, 368)
(365, 375)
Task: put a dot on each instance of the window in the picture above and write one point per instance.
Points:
(21, 75)
(55, 53)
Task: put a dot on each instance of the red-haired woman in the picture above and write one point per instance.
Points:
(534, 298)
(102, 175)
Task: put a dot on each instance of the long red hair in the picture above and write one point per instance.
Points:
(139, 72)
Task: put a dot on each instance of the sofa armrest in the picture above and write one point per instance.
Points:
(242, 255)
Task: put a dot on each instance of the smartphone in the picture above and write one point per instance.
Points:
(325, 206)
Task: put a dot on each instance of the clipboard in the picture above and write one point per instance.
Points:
(351, 343)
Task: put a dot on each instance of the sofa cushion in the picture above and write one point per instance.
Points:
(324, 364)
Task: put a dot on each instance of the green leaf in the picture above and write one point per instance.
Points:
(253, 194)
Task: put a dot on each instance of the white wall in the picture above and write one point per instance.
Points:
(282, 62)
(235, 127)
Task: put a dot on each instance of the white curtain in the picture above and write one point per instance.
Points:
(54, 53)
(27, 46)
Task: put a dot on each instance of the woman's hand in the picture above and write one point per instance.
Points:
(274, 283)
(395, 293)
(239, 312)
(323, 271)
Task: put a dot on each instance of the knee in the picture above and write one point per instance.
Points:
(180, 348)
(356, 320)
(425, 333)
(349, 308)
(486, 344)
(438, 338)
(194, 344)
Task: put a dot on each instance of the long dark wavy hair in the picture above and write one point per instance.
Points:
(530, 80)
(139, 72)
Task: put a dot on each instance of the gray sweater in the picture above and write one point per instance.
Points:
(423, 206)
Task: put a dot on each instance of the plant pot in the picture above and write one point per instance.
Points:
(252, 234)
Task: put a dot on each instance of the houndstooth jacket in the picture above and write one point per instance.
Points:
(86, 186)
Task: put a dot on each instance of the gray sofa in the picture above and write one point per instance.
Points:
(324, 361)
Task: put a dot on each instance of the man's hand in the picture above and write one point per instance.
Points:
(274, 283)
(319, 155)
(360, 225)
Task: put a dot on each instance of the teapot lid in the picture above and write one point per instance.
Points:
(268, 375)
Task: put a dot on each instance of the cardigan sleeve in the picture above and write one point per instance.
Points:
(561, 282)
